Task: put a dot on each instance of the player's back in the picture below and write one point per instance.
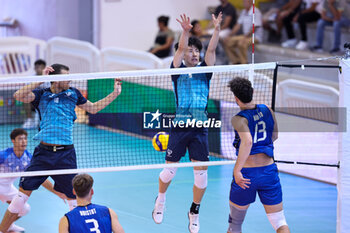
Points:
(90, 218)
(261, 125)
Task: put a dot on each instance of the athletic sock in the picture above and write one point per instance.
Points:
(161, 197)
(194, 208)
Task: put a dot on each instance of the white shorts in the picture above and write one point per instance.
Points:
(8, 192)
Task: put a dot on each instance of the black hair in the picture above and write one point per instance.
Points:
(192, 41)
(82, 184)
(16, 132)
(163, 19)
(58, 68)
(242, 89)
(40, 62)
(194, 22)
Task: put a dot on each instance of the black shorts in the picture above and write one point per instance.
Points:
(195, 140)
(45, 158)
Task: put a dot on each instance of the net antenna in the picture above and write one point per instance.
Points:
(251, 70)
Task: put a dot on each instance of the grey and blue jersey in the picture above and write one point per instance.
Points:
(191, 94)
(90, 218)
(9, 162)
(57, 114)
(261, 125)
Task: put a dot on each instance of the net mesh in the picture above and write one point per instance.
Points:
(120, 134)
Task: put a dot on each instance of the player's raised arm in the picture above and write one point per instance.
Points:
(101, 104)
(213, 43)
(183, 42)
(240, 124)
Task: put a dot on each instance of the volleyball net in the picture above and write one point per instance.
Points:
(119, 136)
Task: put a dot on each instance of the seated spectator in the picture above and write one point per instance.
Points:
(272, 15)
(164, 39)
(229, 18)
(32, 122)
(310, 11)
(236, 46)
(332, 15)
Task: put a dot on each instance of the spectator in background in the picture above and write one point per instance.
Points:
(32, 122)
(332, 14)
(229, 18)
(236, 46)
(272, 15)
(164, 39)
(310, 11)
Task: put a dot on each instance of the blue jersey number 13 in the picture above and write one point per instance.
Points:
(260, 127)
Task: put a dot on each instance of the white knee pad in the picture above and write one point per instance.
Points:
(200, 178)
(277, 219)
(25, 210)
(167, 174)
(18, 203)
(72, 204)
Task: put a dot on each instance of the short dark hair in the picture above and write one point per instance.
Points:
(16, 132)
(82, 184)
(40, 62)
(192, 41)
(242, 89)
(58, 68)
(193, 23)
(163, 19)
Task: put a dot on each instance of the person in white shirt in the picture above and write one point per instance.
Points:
(236, 46)
(310, 11)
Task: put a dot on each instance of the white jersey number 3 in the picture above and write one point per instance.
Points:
(95, 228)
(260, 127)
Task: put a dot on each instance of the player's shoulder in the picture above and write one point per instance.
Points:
(29, 155)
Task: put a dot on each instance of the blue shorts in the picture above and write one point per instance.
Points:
(193, 139)
(44, 159)
(264, 181)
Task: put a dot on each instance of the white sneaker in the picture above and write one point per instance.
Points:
(193, 225)
(158, 212)
(16, 228)
(302, 45)
(291, 43)
(29, 124)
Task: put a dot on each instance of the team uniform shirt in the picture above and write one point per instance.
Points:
(191, 94)
(246, 20)
(90, 218)
(57, 114)
(261, 125)
(9, 162)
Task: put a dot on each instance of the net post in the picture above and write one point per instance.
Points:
(274, 87)
(343, 184)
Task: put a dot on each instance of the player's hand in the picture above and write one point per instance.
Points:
(217, 21)
(185, 23)
(241, 181)
(48, 70)
(117, 86)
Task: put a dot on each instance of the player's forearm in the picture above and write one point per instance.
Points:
(101, 104)
(183, 42)
(214, 40)
(25, 91)
(244, 151)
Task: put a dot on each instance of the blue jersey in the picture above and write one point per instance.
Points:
(90, 218)
(9, 162)
(57, 114)
(191, 94)
(261, 125)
